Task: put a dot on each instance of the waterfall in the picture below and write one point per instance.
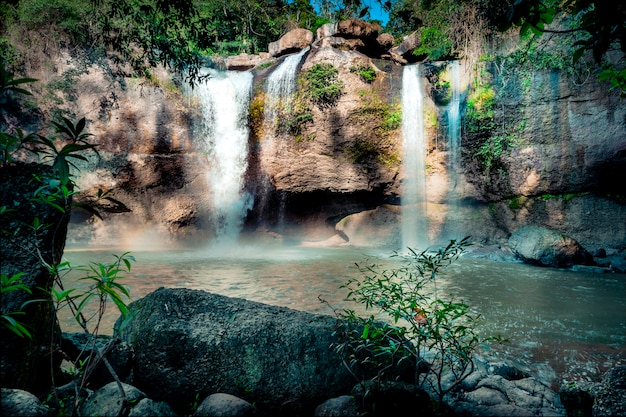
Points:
(280, 87)
(414, 216)
(454, 119)
(454, 222)
(224, 100)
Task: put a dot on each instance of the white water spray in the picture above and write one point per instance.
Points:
(280, 88)
(224, 99)
(414, 216)
(454, 221)
(281, 85)
(454, 118)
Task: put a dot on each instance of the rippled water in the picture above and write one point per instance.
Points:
(561, 324)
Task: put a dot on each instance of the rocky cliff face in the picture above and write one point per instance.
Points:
(560, 167)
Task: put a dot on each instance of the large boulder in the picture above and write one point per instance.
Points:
(16, 402)
(403, 53)
(190, 342)
(545, 247)
(293, 41)
(605, 398)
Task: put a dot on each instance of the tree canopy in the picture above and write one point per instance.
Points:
(177, 33)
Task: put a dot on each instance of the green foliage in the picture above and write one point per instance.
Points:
(256, 115)
(375, 121)
(616, 78)
(366, 72)
(10, 84)
(564, 197)
(517, 202)
(393, 120)
(479, 116)
(321, 84)
(491, 150)
(102, 281)
(294, 121)
(364, 150)
(431, 334)
(14, 283)
(10, 145)
(435, 44)
(75, 143)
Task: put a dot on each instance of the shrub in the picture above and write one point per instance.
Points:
(366, 72)
(435, 336)
(321, 85)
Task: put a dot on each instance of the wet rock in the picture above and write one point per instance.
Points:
(148, 408)
(545, 247)
(224, 405)
(107, 401)
(495, 395)
(26, 361)
(192, 342)
(16, 402)
(79, 346)
(336, 407)
(610, 399)
(293, 41)
(578, 397)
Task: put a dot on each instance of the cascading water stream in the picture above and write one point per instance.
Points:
(280, 87)
(224, 100)
(454, 119)
(414, 220)
(454, 221)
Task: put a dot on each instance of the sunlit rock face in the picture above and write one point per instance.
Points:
(562, 170)
(147, 160)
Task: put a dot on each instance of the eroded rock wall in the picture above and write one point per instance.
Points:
(562, 171)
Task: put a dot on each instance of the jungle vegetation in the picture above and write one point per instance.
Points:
(178, 33)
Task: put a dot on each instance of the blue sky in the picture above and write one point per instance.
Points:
(376, 11)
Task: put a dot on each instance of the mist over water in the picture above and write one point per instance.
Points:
(224, 100)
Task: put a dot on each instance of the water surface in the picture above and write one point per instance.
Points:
(561, 324)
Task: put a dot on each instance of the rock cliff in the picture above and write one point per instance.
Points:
(559, 167)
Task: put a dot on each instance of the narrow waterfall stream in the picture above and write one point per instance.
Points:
(280, 87)
(224, 100)
(454, 222)
(414, 220)
(454, 119)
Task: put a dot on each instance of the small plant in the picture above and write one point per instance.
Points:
(366, 72)
(14, 283)
(321, 85)
(393, 120)
(414, 326)
(76, 142)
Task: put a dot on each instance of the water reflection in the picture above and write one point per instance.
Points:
(561, 324)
